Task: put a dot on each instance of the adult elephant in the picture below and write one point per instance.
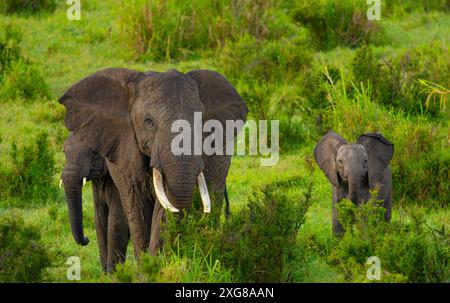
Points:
(82, 165)
(128, 120)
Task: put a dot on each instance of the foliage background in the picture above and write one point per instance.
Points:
(313, 65)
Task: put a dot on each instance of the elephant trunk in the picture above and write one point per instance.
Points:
(73, 190)
(353, 189)
(180, 184)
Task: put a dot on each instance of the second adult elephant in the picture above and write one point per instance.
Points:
(82, 165)
(131, 124)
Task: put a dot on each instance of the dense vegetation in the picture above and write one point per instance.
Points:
(313, 65)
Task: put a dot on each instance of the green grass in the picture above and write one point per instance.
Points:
(288, 73)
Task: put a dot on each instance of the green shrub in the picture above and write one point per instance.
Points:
(396, 80)
(26, 6)
(407, 251)
(23, 257)
(336, 22)
(398, 7)
(272, 61)
(260, 243)
(30, 178)
(19, 77)
(10, 51)
(24, 80)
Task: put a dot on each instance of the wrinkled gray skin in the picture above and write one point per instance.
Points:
(110, 222)
(354, 169)
(126, 117)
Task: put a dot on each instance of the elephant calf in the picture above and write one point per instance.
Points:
(354, 169)
(112, 230)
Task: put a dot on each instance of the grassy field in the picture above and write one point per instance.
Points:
(298, 63)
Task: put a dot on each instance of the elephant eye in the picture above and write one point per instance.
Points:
(148, 121)
(340, 161)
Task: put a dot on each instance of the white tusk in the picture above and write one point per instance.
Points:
(84, 181)
(60, 183)
(159, 190)
(204, 193)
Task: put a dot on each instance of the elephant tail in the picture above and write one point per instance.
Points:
(227, 203)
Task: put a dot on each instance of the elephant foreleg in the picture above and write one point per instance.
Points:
(101, 224)
(338, 229)
(137, 206)
(118, 237)
(157, 220)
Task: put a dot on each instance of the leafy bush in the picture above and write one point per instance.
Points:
(26, 6)
(258, 66)
(396, 80)
(261, 241)
(336, 22)
(30, 178)
(398, 7)
(408, 252)
(23, 257)
(19, 77)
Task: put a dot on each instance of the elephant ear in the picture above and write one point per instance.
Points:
(325, 155)
(97, 113)
(221, 100)
(380, 152)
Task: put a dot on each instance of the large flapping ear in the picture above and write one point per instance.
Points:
(380, 152)
(221, 100)
(97, 113)
(325, 155)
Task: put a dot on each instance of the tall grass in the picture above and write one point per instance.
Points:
(336, 22)
(19, 76)
(164, 30)
(29, 178)
(398, 81)
(26, 6)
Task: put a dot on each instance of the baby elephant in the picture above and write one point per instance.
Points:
(354, 169)
(83, 164)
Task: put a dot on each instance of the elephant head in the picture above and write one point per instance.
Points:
(82, 164)
(353, 164)
(130, 123)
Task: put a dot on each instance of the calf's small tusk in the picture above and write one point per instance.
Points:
(60, 183)
(160, 194)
